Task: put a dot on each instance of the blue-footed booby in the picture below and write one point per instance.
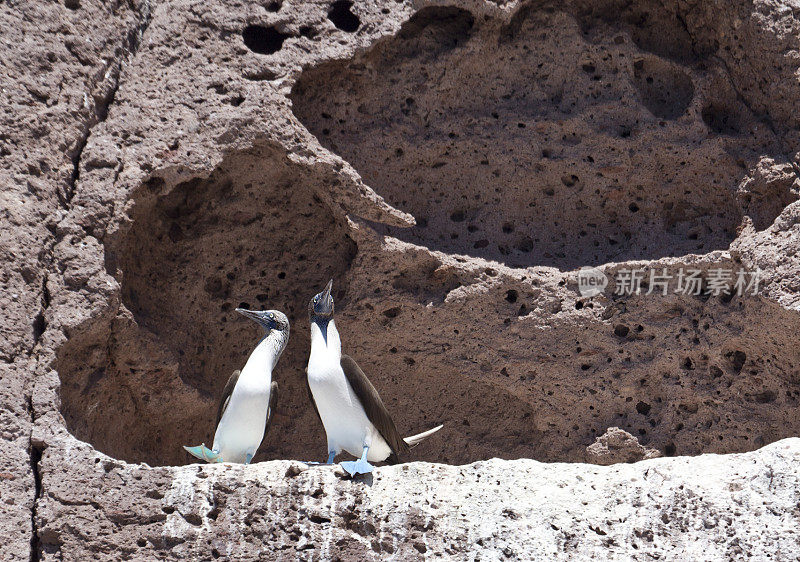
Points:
(249, 398)
(349, 407)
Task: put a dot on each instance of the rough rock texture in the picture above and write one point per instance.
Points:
(58, 73)
(711, 507)
(451, 165)
(616, 445)
(550, 140)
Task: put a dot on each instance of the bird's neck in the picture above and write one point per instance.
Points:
(325, 342)
(269, 349)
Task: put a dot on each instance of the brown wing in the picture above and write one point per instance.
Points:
(373, 405)
(273, 401)
(226, 395)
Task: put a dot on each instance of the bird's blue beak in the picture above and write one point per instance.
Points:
(260, 316)
(323, 302)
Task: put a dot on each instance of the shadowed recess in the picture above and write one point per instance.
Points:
(252, 235)
(263, 40)
(342, 17)
(513, 369)
(558, 139)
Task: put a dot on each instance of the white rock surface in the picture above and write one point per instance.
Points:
(711, 507)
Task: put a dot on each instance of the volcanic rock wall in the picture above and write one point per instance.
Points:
(451, 166)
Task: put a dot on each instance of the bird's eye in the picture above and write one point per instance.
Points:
(271, 316)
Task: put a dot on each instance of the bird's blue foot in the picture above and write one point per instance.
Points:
(203, 453)
(357, 467)
(361, 466)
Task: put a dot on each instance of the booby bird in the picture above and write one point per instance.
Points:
(249, 398)
(349, 407)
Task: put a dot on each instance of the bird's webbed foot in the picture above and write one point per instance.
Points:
(361, 466)
(203, 453)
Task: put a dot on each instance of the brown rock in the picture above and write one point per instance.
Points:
(616, 445)
(452, 167)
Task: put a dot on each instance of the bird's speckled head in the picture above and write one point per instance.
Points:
(267, 319)
(321, 306)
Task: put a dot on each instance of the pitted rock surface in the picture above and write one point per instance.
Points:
(616, 445)
(451, 166)
(709, 507)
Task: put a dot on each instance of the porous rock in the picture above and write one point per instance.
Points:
(451, 166)
(711, 507)
(617, 445)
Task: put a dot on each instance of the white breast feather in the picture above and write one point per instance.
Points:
(241, 428)
(346, 424)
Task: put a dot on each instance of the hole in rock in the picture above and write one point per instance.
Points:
(341, 16)
(664, 89)
(650, 24)
(143, 384)
(720, 119)
(263, 40)
(308, 32)
(614, 161)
